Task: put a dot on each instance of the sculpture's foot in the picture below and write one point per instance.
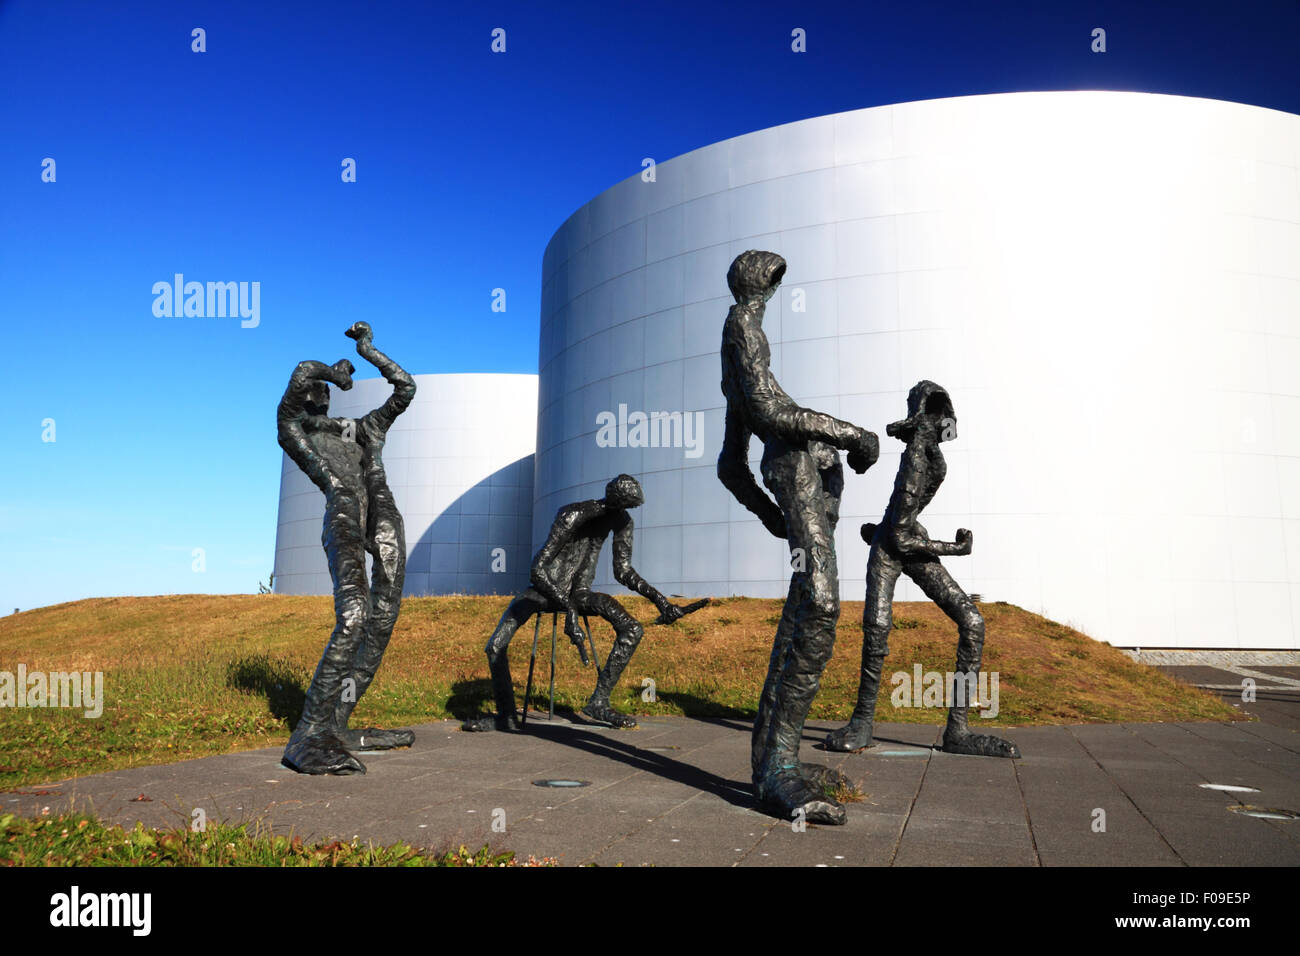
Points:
(372, 738)
(978, 745)
(492, 722)
(608, 715)
(788, 792)
(321, 753)
(853, 736)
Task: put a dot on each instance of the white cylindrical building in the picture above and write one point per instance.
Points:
(460, 463)
(1108, 284)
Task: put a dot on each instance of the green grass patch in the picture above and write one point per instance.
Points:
(78, 839)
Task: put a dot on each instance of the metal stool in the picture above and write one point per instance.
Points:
(532, 662)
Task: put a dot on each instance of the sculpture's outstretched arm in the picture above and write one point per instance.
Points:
(383, 417)
(911, 542)
(737, 477)
(625, 574)
(773, 412)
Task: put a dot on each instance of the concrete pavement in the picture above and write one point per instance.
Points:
(675, 791)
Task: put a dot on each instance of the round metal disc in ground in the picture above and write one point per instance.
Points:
(1228, 788)
(561, 783)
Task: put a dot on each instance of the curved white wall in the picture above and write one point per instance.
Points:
(459, 461)
(1107, 283)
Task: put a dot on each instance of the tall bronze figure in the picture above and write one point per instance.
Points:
(561, 578)
(344, 458)
(802, 470)
(901, 545)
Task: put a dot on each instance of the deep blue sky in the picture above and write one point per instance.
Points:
(225, 166)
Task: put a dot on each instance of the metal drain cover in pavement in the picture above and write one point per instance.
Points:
(661, 747)
(561, 783)
(1265, 813)
(1228, 788)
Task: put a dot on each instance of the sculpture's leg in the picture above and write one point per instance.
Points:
(818, 776)
(933, 579)
(387, 545)
(877, 619)
(314, 746)
(781, 781)
(498, 647)
(627, 635)
(767, 700)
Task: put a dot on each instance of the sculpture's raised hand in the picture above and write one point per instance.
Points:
(343, 370)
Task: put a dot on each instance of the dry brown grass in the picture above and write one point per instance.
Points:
(189, 675)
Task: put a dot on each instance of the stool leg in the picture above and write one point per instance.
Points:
(550, 714)
(595, 658)
(528, 689)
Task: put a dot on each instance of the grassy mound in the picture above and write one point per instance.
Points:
(193, 675)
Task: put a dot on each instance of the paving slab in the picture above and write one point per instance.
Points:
(1283, 736)
(1069, 835)
(1227, 839)
(919, 853)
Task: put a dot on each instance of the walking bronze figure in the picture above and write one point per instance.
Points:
(801, 468)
